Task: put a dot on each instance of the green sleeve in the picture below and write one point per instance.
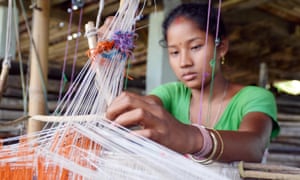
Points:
(263, 101)
(249, 99)
(176, 100)
(164, 93)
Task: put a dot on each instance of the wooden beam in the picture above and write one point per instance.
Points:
(240, 4)
(14, 81)
(9, 103)
(10, 114)
(56, 35)
(287, 14)
(288, 117)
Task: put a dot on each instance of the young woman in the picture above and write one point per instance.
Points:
(226, 123)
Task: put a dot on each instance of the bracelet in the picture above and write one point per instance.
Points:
(209, 159)
(206, 145)
(222, 145)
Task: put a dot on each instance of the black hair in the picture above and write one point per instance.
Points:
(196, 12)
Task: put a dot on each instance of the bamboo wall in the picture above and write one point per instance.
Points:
(285, 149)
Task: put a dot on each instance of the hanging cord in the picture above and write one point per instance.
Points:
(213, 65)
(138, 17)
(24, 92)
(127, 75)
(63, 75)
(76, 46)
(140, 14)
(204, 74)
(37, 55)
(101, 7)
(7, 58)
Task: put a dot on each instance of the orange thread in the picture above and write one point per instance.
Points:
(101, 47)
(127, 76)
(26, 169)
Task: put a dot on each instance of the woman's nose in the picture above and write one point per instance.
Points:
(185, 59)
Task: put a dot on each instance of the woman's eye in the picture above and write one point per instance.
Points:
(173, 53)
(196, 47)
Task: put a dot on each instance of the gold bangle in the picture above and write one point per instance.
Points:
(222, 145)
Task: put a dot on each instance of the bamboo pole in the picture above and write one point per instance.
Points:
(7, 59)
(3, 78)
(39, 63)
(121, 3)
(267, 171)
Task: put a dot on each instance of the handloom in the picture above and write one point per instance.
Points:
(78, 142)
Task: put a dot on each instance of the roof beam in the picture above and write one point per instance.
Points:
(275, 9)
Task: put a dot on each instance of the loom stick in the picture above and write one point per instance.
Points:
(7, 60)
(265, 171)
(45, 118)
(91, 36)
(3, 78)
(121, 3)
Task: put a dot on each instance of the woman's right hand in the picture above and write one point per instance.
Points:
(156, 123)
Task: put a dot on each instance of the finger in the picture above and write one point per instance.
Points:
(147, 133)
(108, 20)
(143, 132)
(129, 118)
(116, 107)
(105, 26)
(124, 102)
(137, 119)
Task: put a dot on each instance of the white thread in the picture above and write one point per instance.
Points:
(82, 141)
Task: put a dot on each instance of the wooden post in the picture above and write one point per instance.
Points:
(121, 3)
(39, 63)
(169, 5)
(263, 75)
(3, 78)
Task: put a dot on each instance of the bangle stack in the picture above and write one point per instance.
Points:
(212, 147)
(222, 144)
(207, 143)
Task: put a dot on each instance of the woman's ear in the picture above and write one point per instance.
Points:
(223, 47)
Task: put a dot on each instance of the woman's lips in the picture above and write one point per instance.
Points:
(189, 76)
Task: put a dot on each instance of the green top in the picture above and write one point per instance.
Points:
(176, 98)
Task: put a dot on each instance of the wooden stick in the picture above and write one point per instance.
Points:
(270, 167)
(121, 3)
(271, 171)
(45, 118)
(14, 122)
(288, 117)
(3, 78)
(92, 40)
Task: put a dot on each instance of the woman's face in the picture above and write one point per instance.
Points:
(189, 54)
